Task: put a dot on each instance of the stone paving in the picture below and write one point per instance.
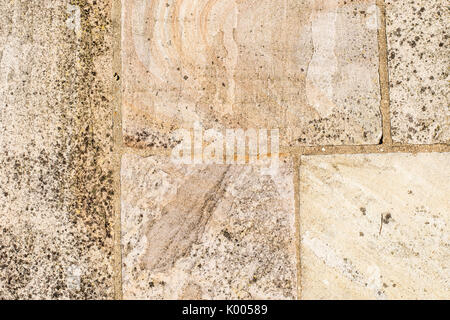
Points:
(224, 149)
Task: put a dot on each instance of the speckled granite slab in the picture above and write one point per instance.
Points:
(308, 68)
(375, 226)
(207, 232)
(55, 150)
(419, 61)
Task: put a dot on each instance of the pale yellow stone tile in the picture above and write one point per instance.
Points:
(346, 250)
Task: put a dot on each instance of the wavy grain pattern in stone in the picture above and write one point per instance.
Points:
(206, 232)
(375, 226)
(309, 68)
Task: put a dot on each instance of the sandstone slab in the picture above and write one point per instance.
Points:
(419, 61)
(206, 231)
(375, 226)
(56, 176)
(308, 68)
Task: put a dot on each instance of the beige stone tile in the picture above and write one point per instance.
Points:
(309, 68)
(55, 158)
(418, 70)
(346, 250)
(207, 232)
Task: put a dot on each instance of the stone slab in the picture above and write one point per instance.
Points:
(207, 231)
(308, 68)
(375, 226)
(419, 61)
(56, 188)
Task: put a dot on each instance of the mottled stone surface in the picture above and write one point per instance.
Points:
(309, 68)
(419, 61)
(375, 226)
(206, 232)
(55, 140)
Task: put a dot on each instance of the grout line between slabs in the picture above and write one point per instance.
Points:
(296, 160)
(118, 146)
